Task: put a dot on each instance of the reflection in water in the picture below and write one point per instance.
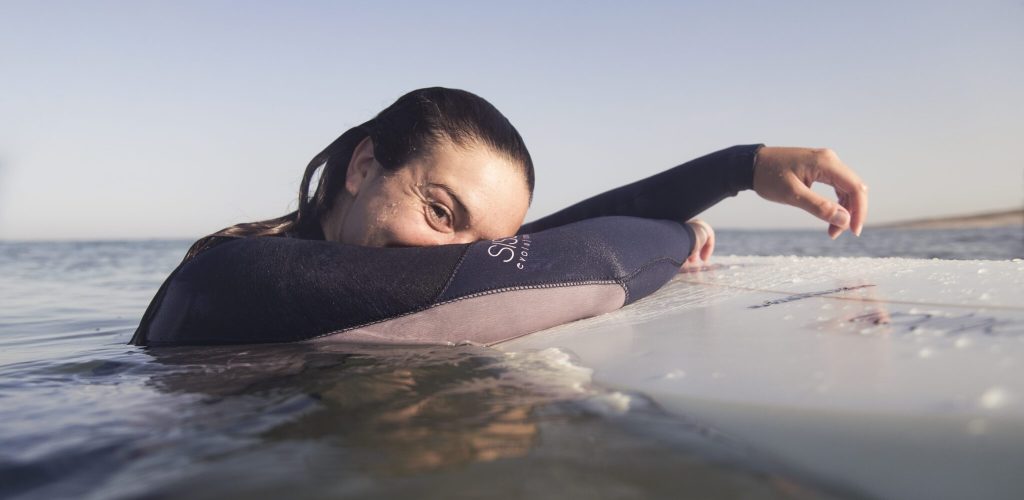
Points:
(86, 416)
(323, 421)
(422, 408)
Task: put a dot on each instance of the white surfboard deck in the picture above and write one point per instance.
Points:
(899, 378)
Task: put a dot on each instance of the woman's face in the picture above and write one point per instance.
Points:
(455, 195)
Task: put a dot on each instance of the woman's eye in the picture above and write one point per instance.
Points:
(440, 213)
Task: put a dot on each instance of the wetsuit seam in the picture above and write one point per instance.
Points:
(526, 286)
(470, 296)
(650, 264)
(643, 268)
(618, 281)
(455, 272)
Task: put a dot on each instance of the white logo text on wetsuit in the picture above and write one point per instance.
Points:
(512, 249)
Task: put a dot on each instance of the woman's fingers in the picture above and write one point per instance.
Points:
(785, 175)
(709, 244)
(829, 211)
(851, 190)
(704, 246)
(709, 248)
(857, 203)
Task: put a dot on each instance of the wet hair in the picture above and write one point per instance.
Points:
(407, 130)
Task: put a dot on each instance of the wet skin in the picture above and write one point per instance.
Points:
(453, 195)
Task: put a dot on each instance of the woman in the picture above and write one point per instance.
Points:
(414, 235)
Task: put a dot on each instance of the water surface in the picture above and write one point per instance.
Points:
(84, 415)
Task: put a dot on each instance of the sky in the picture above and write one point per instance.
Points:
(148, 119)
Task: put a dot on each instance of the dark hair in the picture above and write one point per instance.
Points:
(407, 130)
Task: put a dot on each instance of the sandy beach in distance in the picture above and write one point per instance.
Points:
(1001, 218)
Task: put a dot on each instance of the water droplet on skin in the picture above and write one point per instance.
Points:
(613, 403)
(994, 398)
(962, 342)
(674, 374)
(925, 353)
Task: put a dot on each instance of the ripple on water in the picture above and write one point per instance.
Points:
(376, 422)
(85, 416)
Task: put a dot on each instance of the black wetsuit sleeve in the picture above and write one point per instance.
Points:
(679, 193)
(256, 290)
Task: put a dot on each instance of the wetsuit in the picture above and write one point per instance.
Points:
(588, 259)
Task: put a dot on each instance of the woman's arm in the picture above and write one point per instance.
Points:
(679, 193)
(256, 290)
(779, 174)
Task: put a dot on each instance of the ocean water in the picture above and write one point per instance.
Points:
(84, 415)
(1003, 243)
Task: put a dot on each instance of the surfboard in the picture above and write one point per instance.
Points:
(898, 378)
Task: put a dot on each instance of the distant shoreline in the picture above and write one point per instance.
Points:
(1001, 218)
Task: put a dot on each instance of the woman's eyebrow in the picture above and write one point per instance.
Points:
(455, 198)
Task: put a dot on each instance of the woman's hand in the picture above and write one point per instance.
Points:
(704, 246)
(785, 175)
